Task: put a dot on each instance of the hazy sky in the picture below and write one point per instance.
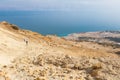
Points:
(60, 5)
(85, 12)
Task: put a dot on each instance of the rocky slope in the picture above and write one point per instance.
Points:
(53, 58)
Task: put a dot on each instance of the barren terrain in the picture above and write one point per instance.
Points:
(54, 58)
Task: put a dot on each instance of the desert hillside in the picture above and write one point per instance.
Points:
(54, 58)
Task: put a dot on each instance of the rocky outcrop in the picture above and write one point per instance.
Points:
(61, 67)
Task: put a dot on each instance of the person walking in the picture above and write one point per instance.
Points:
(26, 41)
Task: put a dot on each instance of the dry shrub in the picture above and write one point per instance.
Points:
(95, 73)
(96, 69)
(97, 66)
(39, 79)
(14, 27)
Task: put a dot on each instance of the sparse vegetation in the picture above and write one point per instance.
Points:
(15, 27)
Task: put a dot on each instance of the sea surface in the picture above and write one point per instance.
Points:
(60, 23)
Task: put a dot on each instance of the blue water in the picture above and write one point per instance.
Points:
(59, 22)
